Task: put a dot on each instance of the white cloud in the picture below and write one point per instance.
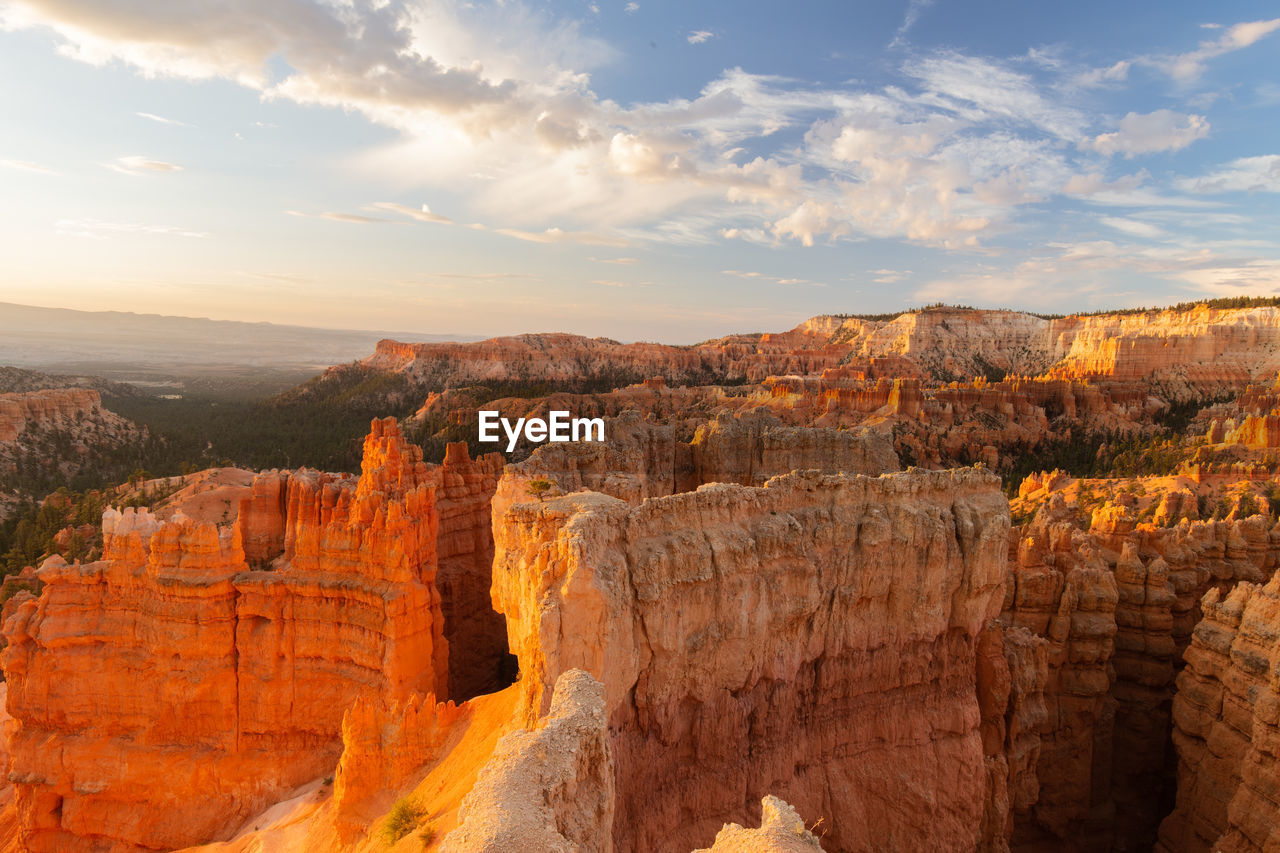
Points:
(699, 36)
(773, 278)
(137, 165)
(1256, 278)
(162, 119)
(1247, 174)
(632, 7)
(914, 10)
(888, 276)
(99, 229)
(27, 166)
(1187, 67)
(556, 235)
(336, 216)
(494, 105)
(980, 89)
(1134, 227)
(1108, 76)
(1162, 130)
(422, 214)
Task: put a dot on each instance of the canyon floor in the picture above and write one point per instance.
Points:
(950, 580)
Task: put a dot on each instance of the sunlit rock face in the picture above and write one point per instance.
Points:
(168, 691)
(814, 638)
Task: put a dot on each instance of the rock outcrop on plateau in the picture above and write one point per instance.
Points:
(66, 405)
(1183, 350)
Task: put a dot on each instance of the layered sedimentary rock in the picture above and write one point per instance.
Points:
(165, 693)
(1226, 718)
(843, 679)
(383, 745)
(1116, 604)
(43, 408)
(641, 459)
(52, 432)
(1195, 350)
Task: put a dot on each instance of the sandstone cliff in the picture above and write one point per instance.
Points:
(1227, 727)
(47, 436)
(852, 657)
(193, 653)
(1116, 603)
(1192, 351)
(642, 459)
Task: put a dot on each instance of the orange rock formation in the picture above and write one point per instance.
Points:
(138, 681)
(17, 411)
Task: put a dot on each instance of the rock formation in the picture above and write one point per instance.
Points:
(137, 681)
(781, 831)
(1116, 604)
(1182, 350)
(854, 651)
(53, 432)
(1226, 718)
(18, 411)
(550, 787)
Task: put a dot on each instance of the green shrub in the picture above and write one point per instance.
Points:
(404, 818)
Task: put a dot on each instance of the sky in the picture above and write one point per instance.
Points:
(643, 170)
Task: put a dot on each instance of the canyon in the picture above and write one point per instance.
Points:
(801, 598)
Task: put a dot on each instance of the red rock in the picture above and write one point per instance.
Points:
(167, 692)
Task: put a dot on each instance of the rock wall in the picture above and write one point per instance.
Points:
(1226, 718)
(1192, 350)
(642, 459)
(17, 411)
(1116, 605)
(167, 692)
(476, 634)
(843, 679)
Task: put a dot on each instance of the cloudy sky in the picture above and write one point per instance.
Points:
(644, 170)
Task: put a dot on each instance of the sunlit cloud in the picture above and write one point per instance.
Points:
(1187, 67)
(422, 214)
(1247, 174)
(699, 36)
(337, 216)
(556, 235)
(138, 165)
(1162, 130)
(162, 119)
(28, 166)
(98, 229)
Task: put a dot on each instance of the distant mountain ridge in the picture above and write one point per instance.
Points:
(69, 340)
